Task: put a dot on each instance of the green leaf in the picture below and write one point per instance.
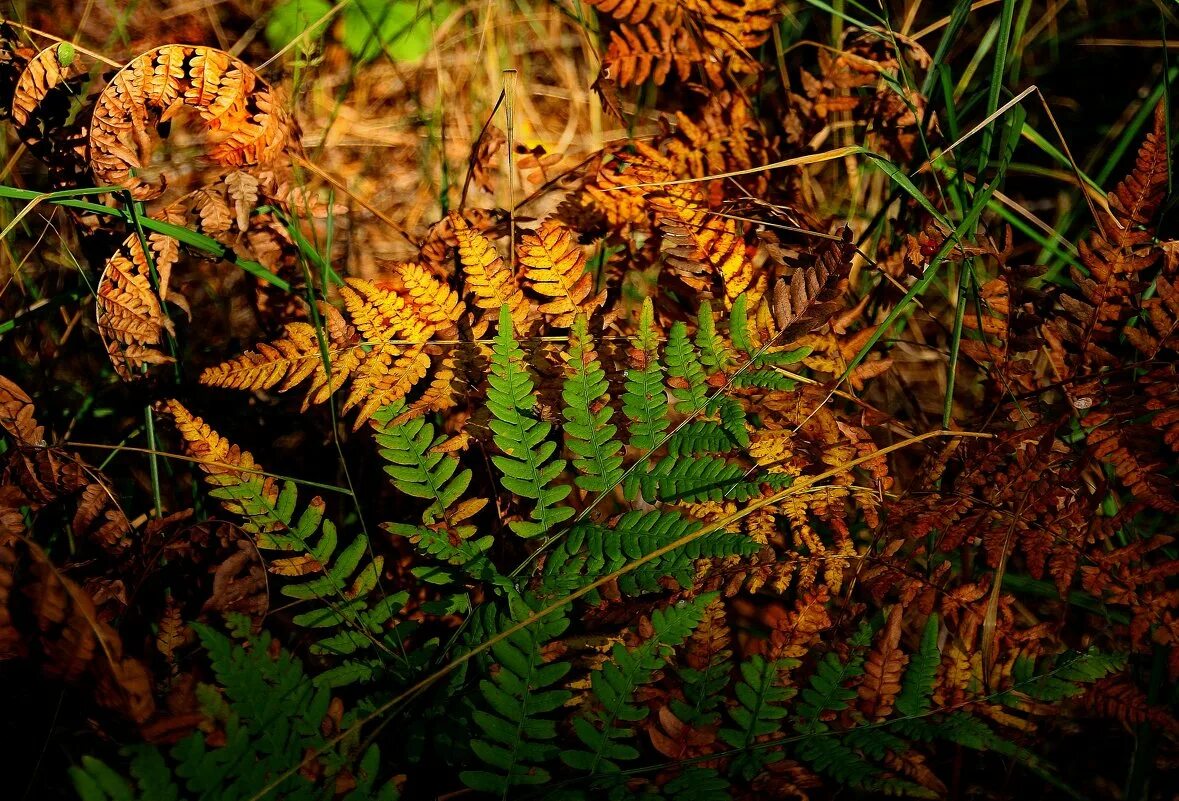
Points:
(290, 19)
(404, 28)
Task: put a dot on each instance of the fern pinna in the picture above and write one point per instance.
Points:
(339, 581)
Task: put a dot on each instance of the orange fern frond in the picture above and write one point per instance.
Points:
(554, 265)
(488, 279)
(882, 669)
(247, 124)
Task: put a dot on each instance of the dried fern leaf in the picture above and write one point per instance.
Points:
(245, 121)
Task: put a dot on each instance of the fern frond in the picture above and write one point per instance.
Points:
(516, 724)
(685, 373)
(695, 479)
(589, 551)
(382, 351)
(416, 465)
(488, 279)
(917, 684)
(714, 350)
(554, 265)
(341, 583)
(644, 400)
(760, 695)
(526, 463)
(599, 729)
(589, 434)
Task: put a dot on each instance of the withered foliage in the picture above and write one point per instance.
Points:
(642, 491)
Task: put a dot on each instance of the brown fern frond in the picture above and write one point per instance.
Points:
(380, 349)
(246, 123)
(69, 640)
(811, 295)
(131, 318)
(883, 668)
(1116, 254)
(554, 266)
(18, 416)
(703, 248)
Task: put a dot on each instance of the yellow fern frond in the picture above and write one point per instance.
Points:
(432, 301)
(697, 242)
(487, 277)
(386, 376)
(555, 266)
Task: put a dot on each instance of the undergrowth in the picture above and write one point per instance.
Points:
(796, 444)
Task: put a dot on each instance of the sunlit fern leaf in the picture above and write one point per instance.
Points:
(760, 694)
(601, 729)
(292, 359)
(417, 467)
(589, 434)
(554, 265)
(515, 716)
(918, 681)
(685, 373)
(340, 584)
(701, 247)
(715, 356)
(590, 551)
(644, 400)
(526, 464)
(380, 350)
(488, 279)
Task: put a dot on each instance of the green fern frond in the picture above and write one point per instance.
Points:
(714, 351)
(415, 466)
(700, 437)
(589, 434)
(685, 372)
(526, 464)
(644, 400)
(826, 693)
(340, 583)
(760, 695)
(590, 551)
(917, 684)
(271, 713)
(739, 331)
(517, 731)
(1065, 676)
(694, 479)
(601, 729)
(764, 379)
